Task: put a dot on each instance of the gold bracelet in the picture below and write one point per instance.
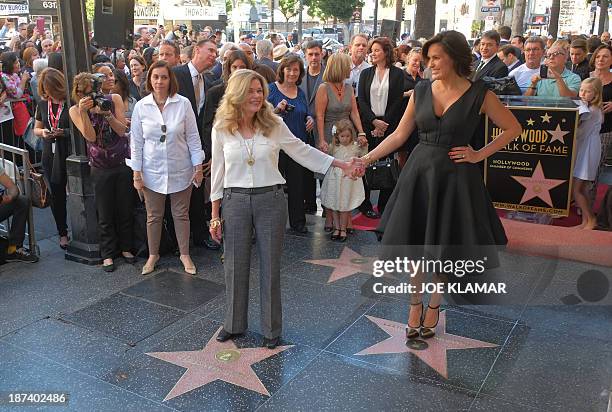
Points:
(215, 222)
(368, 159)
(137, 179)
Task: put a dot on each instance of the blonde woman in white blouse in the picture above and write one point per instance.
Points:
(246, 141)
(167, 159)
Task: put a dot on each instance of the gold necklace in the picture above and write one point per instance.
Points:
(250, 153)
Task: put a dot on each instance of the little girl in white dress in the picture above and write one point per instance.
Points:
(341, 194)
(588, 152)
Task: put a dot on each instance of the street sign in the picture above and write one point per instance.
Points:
(594, 7)
(490, 9)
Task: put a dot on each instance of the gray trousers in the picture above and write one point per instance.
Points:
(267, 214)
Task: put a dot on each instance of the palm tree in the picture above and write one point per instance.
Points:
(518, 15)
(399, 5)
(553, 25)
(425, 19)
(603, 14)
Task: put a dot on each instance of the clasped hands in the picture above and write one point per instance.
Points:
(354, 168)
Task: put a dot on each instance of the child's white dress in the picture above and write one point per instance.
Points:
(341, 193)
(588, 152)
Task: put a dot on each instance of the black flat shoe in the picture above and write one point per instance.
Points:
(300, 229)
(109, 268)
(341, 237)
(225, 335)
(372, 214)
(328, 229)
(335, 236)
(130, 259)
(271, 343)
(430, 331)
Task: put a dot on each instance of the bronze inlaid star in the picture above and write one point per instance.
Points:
(349, 263)
(435, 353)
(218, 361)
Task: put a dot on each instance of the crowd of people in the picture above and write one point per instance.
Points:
(236, 137)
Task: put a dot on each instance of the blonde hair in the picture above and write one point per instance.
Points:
(597, 88)
(229, 114)
(338, 68)
(562, 44)
(343, 126)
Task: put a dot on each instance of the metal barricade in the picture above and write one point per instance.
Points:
(10, 158)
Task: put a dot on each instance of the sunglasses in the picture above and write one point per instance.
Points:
(553, 55)
(163, 136)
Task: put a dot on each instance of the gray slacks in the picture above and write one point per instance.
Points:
(267, 214)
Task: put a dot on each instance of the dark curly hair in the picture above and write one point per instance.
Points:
(457, 47)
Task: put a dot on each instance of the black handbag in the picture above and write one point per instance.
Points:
(383, 174)
(503, 86)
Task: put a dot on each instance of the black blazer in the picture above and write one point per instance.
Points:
(185, 82)
(495, 68)
(211, 104)
(395, 107)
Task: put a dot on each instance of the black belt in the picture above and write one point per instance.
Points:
(253, 190)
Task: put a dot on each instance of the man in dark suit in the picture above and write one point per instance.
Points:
(264, 54)
(193, 84)
(489, 64)
(310, 84)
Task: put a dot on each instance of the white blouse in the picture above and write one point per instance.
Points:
(167, 167)
(230, 153)
(379, 93)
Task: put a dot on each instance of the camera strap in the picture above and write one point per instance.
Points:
(54, 118)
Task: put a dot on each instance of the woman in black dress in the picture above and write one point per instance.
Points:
(440, 201)
(53, 125)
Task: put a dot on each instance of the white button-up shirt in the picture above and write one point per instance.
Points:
(353, 79)
(379, 93)
(167, 167)
(230, 154)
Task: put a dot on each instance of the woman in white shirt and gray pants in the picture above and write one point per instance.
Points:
(167, 159)
(246, 140)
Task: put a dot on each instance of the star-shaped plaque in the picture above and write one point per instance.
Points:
(546, 118)
(558, 134)
(349, 263)
(218, 361)
(431, 351)
(537, 185)
(530, 122)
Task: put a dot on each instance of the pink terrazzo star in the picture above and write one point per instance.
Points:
(538, 185)
(434, 355)
(218, 361)
(349, 263)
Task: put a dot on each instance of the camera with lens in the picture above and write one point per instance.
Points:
(96, 93)
(289, 107)
(183, 29)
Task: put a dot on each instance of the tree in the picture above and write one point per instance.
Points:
(289, 8)
(399, 7)
(553, 26)
(90, 8)
(603, 15)
(518, 15)
(425, 19)
(339, 9)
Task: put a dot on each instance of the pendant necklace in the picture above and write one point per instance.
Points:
(250, 156)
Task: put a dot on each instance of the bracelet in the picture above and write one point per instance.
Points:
(215, 222)
(368, 159)
(109, 117)
(137, 178)
(361, 134)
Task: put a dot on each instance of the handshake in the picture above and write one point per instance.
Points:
(354, 168)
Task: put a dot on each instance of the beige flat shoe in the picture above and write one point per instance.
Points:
(188, 265)
(149, 268)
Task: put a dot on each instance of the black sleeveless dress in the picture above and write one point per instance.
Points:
(436, 201)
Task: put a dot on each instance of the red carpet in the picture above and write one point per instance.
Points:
(559, 240)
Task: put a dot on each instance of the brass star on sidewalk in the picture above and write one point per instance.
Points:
(218, 361)
(558, 134)
(530, 122)
(546, 118)
(349, 263)
(435, 353)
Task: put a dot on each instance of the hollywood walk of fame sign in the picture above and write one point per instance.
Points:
(431, 351)
(218, 361)
(533, 173)
(348, 264)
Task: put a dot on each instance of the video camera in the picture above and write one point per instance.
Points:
(96, 93)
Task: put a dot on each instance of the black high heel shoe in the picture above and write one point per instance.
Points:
(412, 332)
(335, 236)
(430, 331)
(341, 237)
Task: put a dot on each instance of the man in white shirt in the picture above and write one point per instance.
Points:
(359, 49)
(534, 52)
(193, 84)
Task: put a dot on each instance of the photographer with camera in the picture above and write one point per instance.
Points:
(554, 80)
(101, 120)
(290, 103)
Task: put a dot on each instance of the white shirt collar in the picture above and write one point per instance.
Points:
(194, 72)
(148, 99)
